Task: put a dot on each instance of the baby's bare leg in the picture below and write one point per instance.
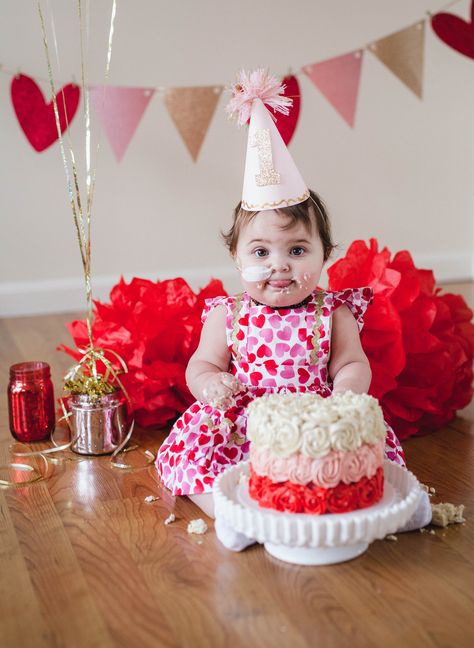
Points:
(205, 503)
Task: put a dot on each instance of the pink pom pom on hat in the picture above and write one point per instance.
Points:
(271, 178)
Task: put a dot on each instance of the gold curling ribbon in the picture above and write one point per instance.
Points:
(24, 468)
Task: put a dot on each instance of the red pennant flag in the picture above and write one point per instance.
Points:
(120, 110)
(338, 79)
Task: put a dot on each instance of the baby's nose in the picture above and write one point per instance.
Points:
(280, 265)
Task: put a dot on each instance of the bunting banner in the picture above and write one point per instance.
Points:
(191, 110)
(338, 79)
(120, 110)
(402, 53)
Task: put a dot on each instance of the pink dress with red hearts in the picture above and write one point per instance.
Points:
(272, 350)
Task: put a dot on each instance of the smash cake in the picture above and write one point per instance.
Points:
(316, 455)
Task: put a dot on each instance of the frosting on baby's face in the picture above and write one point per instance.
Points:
(279, 267)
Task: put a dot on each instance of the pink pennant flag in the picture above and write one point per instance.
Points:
(338, 79)
(120, 110)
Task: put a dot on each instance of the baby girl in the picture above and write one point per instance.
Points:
(282, 333)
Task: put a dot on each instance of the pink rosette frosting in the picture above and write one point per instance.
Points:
(300, 469)
(325, 472)
(354, 464)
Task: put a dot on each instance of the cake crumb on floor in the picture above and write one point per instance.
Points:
(151, 498)
(171, 518)
(446, 513)
(391, 537)
(197, 526)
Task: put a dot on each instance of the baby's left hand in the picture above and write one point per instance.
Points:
(220, 389)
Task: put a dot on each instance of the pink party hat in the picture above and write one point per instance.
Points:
(271, 179)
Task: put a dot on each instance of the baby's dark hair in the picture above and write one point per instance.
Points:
(309, 212)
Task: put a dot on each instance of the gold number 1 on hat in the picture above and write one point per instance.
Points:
(267, 174)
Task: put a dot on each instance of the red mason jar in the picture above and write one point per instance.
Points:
(31, 401)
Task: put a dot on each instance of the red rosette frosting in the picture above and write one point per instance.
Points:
(315, 499)
(289, 498)
(343, 498)
(294, 498)
(370, 490)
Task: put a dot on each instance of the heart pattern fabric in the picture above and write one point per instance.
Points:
(293, 359)
(455, 32)
(36, 116)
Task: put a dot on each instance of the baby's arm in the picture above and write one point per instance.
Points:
(207, 372)
(348, 365)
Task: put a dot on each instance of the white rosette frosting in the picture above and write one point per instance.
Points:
(316, 442)
(286, 437)
(344, 434)
(307, 423)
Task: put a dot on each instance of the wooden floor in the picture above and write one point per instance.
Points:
(85, 562)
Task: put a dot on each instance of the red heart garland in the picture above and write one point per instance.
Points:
(36, 117)
(455, 32)
(286, 124)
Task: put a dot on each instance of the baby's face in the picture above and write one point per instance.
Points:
(279, 267)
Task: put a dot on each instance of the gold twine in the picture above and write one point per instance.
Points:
(24, 468)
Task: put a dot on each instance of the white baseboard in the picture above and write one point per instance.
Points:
(67, 295)
(449, 267)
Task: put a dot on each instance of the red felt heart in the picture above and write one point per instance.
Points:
(455, 32)
(36, 117)
(286, 124)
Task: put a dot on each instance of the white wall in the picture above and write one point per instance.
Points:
(404, 174)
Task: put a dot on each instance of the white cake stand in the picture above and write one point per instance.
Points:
(316, 539)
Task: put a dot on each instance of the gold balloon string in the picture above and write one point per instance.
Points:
(81, 232)
(106, 78)
(87, 129)
(84, 238)
(72, 198)
(82, 220)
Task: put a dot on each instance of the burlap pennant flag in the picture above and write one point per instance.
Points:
(338, 79)
(403, 54)
(120, 110)
(192, 109)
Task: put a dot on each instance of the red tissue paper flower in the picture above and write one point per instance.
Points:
(420, 343)
(155, 327)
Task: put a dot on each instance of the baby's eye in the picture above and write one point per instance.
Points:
(297, 250)
(260, 252)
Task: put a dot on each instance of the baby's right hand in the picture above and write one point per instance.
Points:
(219, 389)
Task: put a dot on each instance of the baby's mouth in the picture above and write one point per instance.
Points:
(280, 283)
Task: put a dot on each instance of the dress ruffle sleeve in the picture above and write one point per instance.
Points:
(356, 299)
(211, 303)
